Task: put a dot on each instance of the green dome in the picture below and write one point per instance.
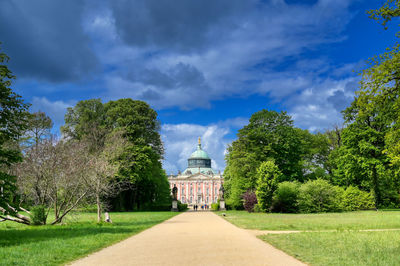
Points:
(199, 154)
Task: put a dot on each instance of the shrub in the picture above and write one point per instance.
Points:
(267, 180)
(38, 215)
(285, 197)
(319, 196)
(355, 199)
(214, 206)
(182, 207)
(249, 200)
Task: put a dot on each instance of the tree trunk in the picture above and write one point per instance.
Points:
(376, 187)
(98, 208)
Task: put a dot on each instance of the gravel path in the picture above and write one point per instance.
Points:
(191, 238)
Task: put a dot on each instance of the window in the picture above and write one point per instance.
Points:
(191, 190)
(216, 191)
(208, 191)
(199, 191)
(183, 190)
(206, 199)
(215, 200)
(191, 199)
(183, 200)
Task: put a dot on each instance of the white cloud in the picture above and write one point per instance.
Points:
(55, 110)
(180, 140)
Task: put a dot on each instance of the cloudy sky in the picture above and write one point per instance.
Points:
(204, 65)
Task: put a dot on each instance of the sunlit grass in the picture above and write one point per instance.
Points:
(340, 248)
(321, 221)
(79, 235)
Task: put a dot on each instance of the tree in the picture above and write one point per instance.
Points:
(268, 175)
(140, 161)
(370, 140)
(269, 135)
(38, 128)
(55, 174)
(102, 169)
(12, 125)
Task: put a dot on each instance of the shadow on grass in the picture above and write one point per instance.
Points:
(12, 237)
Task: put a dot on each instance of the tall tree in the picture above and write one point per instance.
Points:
(269, 135)
(140, 161)
(13, 122)
(370, 139)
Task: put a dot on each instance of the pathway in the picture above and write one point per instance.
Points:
(191, 238)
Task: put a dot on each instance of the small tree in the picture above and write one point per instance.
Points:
(268, 175)
(249, 200)
(103, 168)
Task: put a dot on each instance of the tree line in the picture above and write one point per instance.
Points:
(364, 153)
(109, 154)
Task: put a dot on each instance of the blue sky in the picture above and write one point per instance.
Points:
(205, 66)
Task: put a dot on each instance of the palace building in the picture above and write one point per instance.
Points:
(199, 183)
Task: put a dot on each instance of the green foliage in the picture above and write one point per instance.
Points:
(268, 175)
(319, 196)
(38, 215)
(285, 197)
(214, 206)
(140, 161)
(369, 156)
(13, 122)
(269, 135)
(182, 206)
(354, 199)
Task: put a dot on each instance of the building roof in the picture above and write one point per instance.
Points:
(199, 153)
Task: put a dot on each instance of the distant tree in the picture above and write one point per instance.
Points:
(268, 175)
(269, 135)
(13, 122)
(39, 127)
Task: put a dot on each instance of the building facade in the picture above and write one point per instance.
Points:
(199, 183)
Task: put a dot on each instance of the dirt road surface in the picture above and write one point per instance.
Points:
(191, 238)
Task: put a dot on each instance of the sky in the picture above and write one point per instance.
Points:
(204, 66)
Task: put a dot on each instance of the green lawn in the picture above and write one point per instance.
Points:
(322, 221)
(346, 246)
(340, 248)
(78, 236)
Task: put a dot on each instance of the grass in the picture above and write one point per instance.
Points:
(340, 248)
(345, 245)
(78, 236)
(314, 222)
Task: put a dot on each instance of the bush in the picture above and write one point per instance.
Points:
(355, 199)
(249, 200)
(182, 207)
(214, 206)
(319, 196)
(267, 181)
(285, 197)
(38, 215)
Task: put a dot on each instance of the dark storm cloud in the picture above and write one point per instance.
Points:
(45, 39)
(179, 76)
(179, 25)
